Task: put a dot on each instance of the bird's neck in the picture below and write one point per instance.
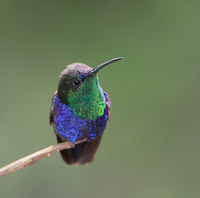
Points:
(88, 101)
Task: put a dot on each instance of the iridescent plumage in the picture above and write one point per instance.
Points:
(90, 100)
(80, 110)
(71, 127)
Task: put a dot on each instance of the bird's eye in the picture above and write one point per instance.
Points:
(77, 82)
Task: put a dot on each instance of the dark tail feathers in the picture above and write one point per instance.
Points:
(82, 153)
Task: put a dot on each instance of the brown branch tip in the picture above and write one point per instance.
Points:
(34, 157)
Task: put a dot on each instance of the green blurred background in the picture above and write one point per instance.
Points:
(151, 147)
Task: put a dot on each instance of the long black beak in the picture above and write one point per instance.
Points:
(96, 69)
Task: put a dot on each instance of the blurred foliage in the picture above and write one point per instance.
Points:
(151, 147)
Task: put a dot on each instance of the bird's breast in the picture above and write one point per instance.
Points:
(72, 128)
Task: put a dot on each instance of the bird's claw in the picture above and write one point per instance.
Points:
(72, 145)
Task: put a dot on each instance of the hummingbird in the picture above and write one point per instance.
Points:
(79, 111)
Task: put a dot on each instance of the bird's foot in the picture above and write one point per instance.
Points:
(72, 145)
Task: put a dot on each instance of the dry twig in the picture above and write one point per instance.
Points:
(34, 157)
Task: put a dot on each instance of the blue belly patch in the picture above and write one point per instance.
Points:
(71, 127)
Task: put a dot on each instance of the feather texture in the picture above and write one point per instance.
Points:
(69, 127)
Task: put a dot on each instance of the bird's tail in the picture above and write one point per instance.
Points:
(82, 153)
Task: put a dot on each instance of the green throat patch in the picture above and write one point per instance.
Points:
(87, 101)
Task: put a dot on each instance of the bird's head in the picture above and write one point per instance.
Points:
(79, 88)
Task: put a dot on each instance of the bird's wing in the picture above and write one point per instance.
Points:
(108, 104)
(51, 116)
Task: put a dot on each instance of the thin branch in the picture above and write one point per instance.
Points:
(34, 157)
